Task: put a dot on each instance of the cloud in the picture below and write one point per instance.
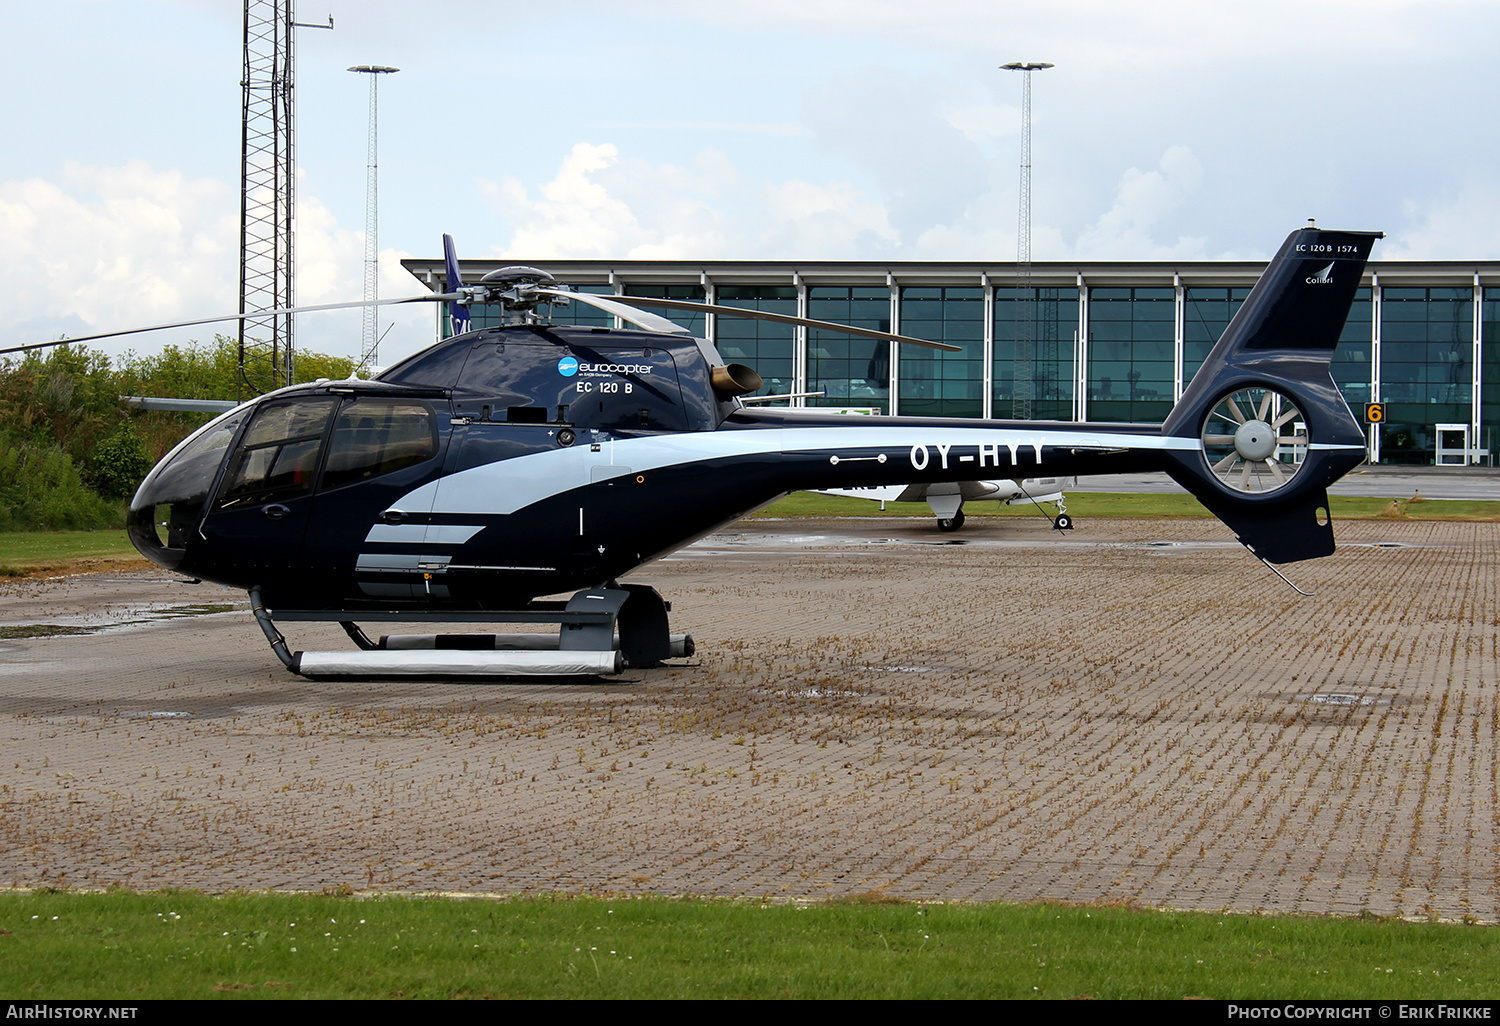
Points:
(574, 216)
(116, 246)
(891, 127)
(602, 206)
(107, 248)
(1142, 199)
(1464, 226)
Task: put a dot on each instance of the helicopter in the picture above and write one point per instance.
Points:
(497, 467)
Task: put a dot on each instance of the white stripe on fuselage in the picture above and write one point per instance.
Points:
(506, 486)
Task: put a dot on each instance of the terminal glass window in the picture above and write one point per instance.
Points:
(763, 345)
(935, 383)
(1130, 354)
(694, 322)
(1489, 409)
(1054, 321)
(1351, 360)
(849, 371)
(1206, 312)
(1426, 354)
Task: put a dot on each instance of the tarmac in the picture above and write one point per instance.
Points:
(1136, 712)
(1371, 480)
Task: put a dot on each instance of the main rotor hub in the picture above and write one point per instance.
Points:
(518, 274)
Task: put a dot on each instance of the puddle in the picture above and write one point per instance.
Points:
(1387, 545)
(156, 714)
(114, 620)
(42, 630)
(1343, 698)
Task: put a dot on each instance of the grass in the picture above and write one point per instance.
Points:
(29, 552)
(125, 945)
(1083, 505)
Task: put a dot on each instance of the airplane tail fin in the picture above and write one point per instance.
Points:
(1273, 432)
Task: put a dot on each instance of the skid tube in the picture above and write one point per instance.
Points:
(601, 632)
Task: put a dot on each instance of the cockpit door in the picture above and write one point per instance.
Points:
(372, 515)
(255, 522)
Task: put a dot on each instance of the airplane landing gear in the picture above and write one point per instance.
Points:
(952, 523)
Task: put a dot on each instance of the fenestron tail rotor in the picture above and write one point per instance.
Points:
(1251, 442)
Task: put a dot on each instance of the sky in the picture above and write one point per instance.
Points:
(726, 129)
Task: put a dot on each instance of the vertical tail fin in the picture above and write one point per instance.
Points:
(1267, 377)
(455, 280)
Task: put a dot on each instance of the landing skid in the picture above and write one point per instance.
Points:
(601, 632)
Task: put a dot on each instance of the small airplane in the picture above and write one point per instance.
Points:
(500, 466)
(946, 498)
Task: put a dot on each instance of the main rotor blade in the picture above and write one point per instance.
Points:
(609, 304)
(761, 315)
(252, 315)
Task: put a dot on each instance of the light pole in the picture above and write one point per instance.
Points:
(370, 345)
(1024, 366)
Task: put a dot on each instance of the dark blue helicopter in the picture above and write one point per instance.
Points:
(521, 461)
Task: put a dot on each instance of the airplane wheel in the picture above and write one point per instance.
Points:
(1063, 522)
(952, 523)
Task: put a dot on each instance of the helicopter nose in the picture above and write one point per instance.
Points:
(172, 497)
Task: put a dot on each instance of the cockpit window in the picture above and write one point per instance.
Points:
(278, 456)
(377, 436)
(186, 478)
(439, 366)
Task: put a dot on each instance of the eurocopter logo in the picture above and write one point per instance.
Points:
(1323, 277)
(567, 366)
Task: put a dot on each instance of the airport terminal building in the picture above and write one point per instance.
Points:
(1107, 341)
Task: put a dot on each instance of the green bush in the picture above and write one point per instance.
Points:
(41, 489)
(120, 463)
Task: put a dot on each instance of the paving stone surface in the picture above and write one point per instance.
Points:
(1138, 713)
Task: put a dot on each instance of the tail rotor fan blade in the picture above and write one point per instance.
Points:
(1257, 458)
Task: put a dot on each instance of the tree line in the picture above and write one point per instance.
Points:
(72, 451)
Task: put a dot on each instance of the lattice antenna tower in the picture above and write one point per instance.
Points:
(370, 346)
(1024, 362)
(267, 354)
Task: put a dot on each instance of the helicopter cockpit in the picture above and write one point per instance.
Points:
(342, 454)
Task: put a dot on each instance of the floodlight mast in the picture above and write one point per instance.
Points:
(1024, 363)
(369, 355)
